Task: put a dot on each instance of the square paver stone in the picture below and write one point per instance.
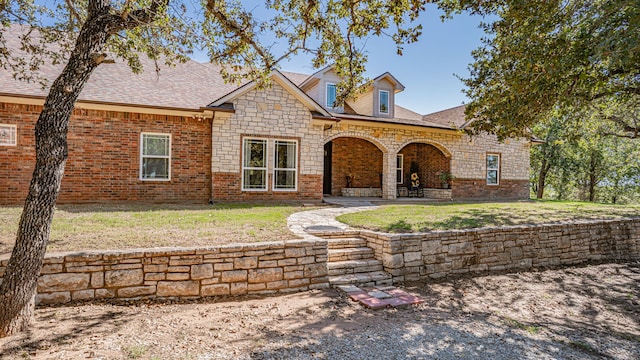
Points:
(349, 288)
(410, 299)
(385, 287)
(398, 292)
(379, 294)
(359, 296)
(374, 303)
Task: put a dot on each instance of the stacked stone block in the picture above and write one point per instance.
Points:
(264, 268)
(440, 254)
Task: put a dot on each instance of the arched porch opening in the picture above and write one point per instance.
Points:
(352, 167)
(428, 162)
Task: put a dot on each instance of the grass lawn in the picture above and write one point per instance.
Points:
(92, 227)
(443, 216)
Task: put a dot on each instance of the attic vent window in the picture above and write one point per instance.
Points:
(384, 101)
(331, 95)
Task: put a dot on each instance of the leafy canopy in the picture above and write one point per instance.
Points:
(248, 39)
(543, 56)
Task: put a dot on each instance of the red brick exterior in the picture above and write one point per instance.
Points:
(104, 157)
(359, 158)
(478, 189)
(431, 162)
(228, 187)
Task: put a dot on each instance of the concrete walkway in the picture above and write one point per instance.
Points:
(325, 219)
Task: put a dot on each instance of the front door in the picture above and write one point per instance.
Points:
(326, 184)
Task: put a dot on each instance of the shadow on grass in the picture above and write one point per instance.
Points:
(142, 207)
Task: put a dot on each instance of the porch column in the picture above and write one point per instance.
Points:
(389, 175)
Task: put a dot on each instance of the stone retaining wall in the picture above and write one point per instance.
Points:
(439, 254)
(262, 268)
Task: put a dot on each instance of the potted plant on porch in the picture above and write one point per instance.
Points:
(445, 177)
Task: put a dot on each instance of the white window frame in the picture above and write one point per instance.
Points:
(275, 164)
(142, 156)
(265, 168)
(326, 95)
(380, 92)
(496, 169)
(400, 158)
(12, 131)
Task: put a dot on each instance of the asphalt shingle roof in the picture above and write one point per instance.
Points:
(453, 117)
(189, 85)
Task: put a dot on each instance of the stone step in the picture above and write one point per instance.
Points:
(359, 253)
(373, 278)
(353, 266)
(345, 243)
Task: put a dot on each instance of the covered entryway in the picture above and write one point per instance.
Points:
(353, 167)
(425, 167)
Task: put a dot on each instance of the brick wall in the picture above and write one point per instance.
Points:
(439, 254)
(431, 162)
(227, 187)
(104, 157)
(357, 157)
(263, 268)
(478, 189)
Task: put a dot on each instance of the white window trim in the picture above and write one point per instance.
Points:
(497, 169)
(265, 168)
(12, 129)
(401, 168)
(326, 95)
(380, 102)
(142, 156)
(273, 186)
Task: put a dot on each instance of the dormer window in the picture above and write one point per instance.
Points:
(383, 101)
(331, 95)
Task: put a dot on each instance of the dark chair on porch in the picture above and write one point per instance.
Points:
(415, 187)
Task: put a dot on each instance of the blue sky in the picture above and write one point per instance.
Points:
(426, 68)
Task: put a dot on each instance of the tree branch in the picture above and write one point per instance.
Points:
(235, 28)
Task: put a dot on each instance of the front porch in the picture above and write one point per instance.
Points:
(363, 168)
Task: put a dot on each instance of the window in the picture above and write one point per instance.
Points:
(331, 95)
(155, 156)
(254, 164)
(384, 101)
(493, 169)
(285, 168)
(8, 135)
(399, 169)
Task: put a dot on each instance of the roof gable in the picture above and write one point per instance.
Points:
(391, 79)
(281, 80)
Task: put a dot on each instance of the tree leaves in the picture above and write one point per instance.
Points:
(541, 56)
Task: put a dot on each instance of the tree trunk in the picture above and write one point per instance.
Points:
(18, 287)
(544, 169)
(593, 168)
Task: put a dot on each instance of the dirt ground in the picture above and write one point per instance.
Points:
(590, 312)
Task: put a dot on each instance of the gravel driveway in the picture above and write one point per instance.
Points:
(588, 312)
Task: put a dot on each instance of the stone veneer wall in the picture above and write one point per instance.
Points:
(268, 114)
(262, 268)
(468, 157)
(439, 254)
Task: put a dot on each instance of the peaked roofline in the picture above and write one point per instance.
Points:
(283, 81)
(313, 76)
(398, 85)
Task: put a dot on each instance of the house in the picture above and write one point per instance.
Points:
(183, 135)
